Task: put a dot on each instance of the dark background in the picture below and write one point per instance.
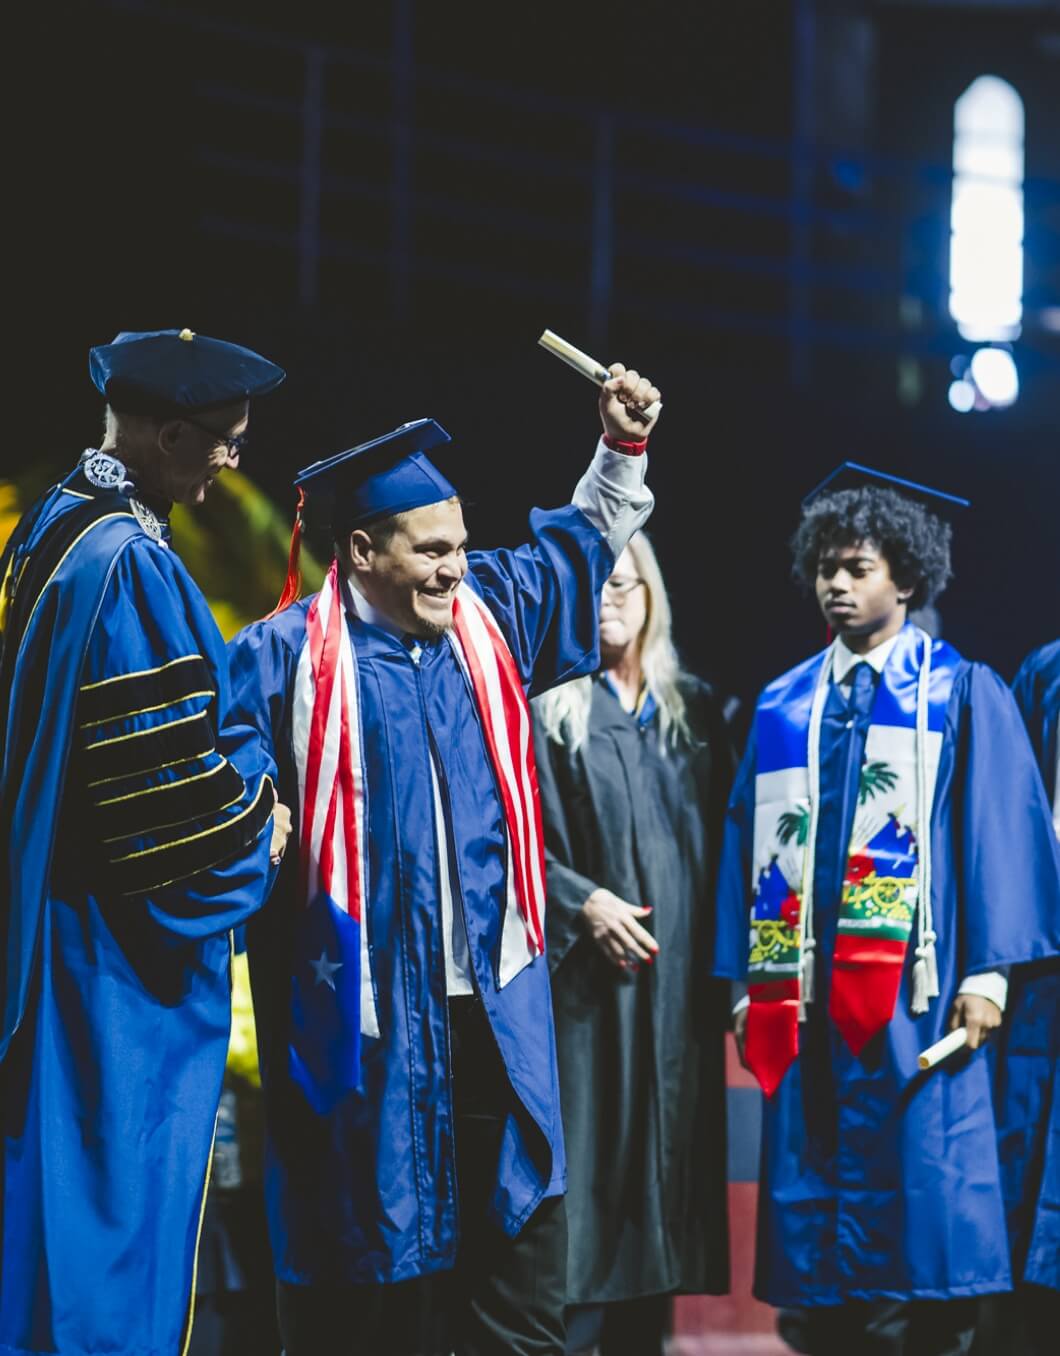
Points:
(747, 201)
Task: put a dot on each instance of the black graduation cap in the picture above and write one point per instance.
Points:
(177, 371)
(853, 476)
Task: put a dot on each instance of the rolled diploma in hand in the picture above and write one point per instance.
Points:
(935, 1054)
(589, 367)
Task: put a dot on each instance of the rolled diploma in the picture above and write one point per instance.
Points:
(588, 367)
(935, 1054)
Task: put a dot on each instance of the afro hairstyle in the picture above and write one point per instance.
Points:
(913, 541)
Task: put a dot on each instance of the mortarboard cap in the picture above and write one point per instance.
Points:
(389, 475)
(852, 476)
(177, 372)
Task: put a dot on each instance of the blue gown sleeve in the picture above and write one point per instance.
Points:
(1036, 689)
(734, 872)
(546, 596)
(260, 667)
(1007, 851)
(179, 797)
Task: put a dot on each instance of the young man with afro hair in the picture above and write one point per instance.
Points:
(887, 858)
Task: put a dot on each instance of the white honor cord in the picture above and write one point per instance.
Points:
(925, 967)
(807, 941)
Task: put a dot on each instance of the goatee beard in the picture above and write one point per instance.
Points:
(432, 630)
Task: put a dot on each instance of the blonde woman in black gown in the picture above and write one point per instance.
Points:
(635, 766)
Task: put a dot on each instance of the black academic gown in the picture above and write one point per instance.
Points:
(641, 1055)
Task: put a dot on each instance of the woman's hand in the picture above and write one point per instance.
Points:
(613, 926)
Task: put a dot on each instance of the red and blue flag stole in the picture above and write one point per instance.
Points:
(505, 715)
(333, 997)
(887, 881)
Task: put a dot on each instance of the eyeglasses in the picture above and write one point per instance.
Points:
(620, 589)
(234, 442)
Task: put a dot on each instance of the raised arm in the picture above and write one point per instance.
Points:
(546, 595)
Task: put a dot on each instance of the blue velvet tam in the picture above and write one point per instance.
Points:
(852, 476)
(389, 475)
(175, 372)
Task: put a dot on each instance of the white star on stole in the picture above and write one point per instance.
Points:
(325, 969)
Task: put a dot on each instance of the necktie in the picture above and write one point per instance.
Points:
(862, 690)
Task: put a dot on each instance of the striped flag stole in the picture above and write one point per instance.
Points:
(505, 715)
(327, 747)
(326, 735)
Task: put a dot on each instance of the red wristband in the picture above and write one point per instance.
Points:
(629, 449)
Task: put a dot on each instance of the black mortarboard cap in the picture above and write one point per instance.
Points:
(852, 476)
(175, 372)
(391, 474)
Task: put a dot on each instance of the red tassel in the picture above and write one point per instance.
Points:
(292, 587)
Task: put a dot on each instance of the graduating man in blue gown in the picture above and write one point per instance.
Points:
(402, 994)
(137, 825)
(888, 855)
(1027, 1091)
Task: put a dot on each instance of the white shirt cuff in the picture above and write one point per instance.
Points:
(992, 985)
(613, 496)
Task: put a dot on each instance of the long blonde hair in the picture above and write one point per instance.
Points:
(564, 712)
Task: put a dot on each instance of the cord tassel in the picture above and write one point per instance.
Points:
(925, 975)
(292, 586)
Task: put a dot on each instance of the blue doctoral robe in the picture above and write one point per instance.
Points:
(135, 821)
(878, 1181)
(366, 1193)
(1028, 1052)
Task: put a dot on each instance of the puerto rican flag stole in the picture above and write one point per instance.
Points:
(887, 881)
(333, 998)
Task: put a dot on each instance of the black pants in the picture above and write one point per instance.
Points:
(1025, 1322)
(884, 1328)
(505, 1297)
(634, 1327)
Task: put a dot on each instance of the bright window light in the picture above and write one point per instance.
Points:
(986, 216)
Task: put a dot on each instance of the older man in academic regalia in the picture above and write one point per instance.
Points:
(888, 856)
(137, 823)
(408, 1055)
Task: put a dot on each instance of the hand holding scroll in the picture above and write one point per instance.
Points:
(626, 404)
(976, 1013)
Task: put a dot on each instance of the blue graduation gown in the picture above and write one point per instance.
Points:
(366, 1192)
(878, 1181)
(1027, 1055)
(136, 822)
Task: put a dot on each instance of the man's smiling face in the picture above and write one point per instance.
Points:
(412, 575)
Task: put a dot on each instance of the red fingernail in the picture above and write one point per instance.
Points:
(647, 908)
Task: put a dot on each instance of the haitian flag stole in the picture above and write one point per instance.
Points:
(333, 996)
(886, 884)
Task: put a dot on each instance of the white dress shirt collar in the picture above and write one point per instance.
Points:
(844, 660)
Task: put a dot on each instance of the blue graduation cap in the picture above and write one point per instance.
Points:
(853, 476)
(177, 372)
(388, 475)
(391, 474)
